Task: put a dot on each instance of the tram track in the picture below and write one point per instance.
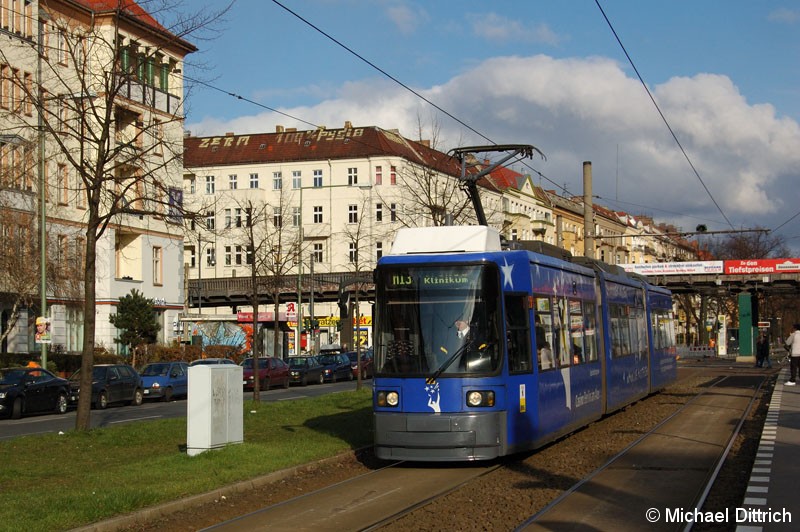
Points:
(395, 497)
(625, 512)
(498, 495)
(365, 502)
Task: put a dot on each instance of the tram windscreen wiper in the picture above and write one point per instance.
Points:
(458, 352)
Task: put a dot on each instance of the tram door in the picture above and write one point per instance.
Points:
(521, 390)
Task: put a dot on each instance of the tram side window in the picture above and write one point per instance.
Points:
(543, 331)
(641, 331)
(518, 339)
(576, 332)
(562, 344)
(637, 330)
(619, 316)
(663, 331)
(590, 348)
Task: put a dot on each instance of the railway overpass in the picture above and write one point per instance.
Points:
(740, 279)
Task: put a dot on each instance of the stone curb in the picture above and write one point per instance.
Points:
(162, 510)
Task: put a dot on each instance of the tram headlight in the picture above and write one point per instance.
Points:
(388, 398)
(480, 398)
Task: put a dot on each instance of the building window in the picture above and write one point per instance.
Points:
(353, 255)
(393, 175)
(393, 212)
(316, 254)
(378, 250)
(318, 214)
(297, 180)
(253, 180)
(211, 256)
(158, 136)
(190, 251)
(227, 255)
(238, 217)
(317, 178)
(378, 175)
(295, 216)
(228, 218)
(352, 214)
(232, 180)
(238, 256)
(352, 176)
(210, 220)
(513, 234)
(63, 184)
(192, 186)
(209, 184)
(157, 266)
(277, 217)
(27, 96)
(277, 181)
(379, 212)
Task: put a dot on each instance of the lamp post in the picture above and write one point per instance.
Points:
(41, 176)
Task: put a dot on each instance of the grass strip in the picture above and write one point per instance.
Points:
(57, 482)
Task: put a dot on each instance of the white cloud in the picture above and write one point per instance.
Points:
(784, 15)
(405, 18)
(589, 109)
(497, 28)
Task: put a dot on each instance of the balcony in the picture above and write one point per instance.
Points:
(150, 96)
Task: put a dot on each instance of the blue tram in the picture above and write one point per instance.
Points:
(482, 352)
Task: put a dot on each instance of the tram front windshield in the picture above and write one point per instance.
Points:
(437, 321)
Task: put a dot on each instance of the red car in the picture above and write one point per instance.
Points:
(366, 364)
(271, 372)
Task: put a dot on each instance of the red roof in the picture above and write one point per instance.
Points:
(128, 7)
(505, 178)
(318, 144)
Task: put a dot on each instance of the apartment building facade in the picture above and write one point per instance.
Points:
(91, 96)
(332, 198)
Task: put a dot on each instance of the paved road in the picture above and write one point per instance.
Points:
(51, 423)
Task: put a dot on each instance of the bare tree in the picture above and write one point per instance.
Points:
(428, 194)
(19, 258)
(108, 121)
(359, 241)
(271, 236)
(758, 244)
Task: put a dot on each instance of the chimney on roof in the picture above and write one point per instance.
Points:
(348, 124)
(426, 143)
(278, 129)
(229, 134)
(187, 133)
(291, 129)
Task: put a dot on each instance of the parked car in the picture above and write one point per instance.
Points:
(303, 370)
(366, 364)
(336, 367)
(271, 372)
(111, 383)
(31, 390)
(165, 380)
(212, 361)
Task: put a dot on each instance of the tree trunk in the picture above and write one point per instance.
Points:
(83, 416)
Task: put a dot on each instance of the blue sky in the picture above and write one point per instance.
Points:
(549, 73)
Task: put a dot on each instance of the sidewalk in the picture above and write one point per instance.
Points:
(773, 487)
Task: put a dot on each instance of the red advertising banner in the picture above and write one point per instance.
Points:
(759, 266)
(248, 317)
